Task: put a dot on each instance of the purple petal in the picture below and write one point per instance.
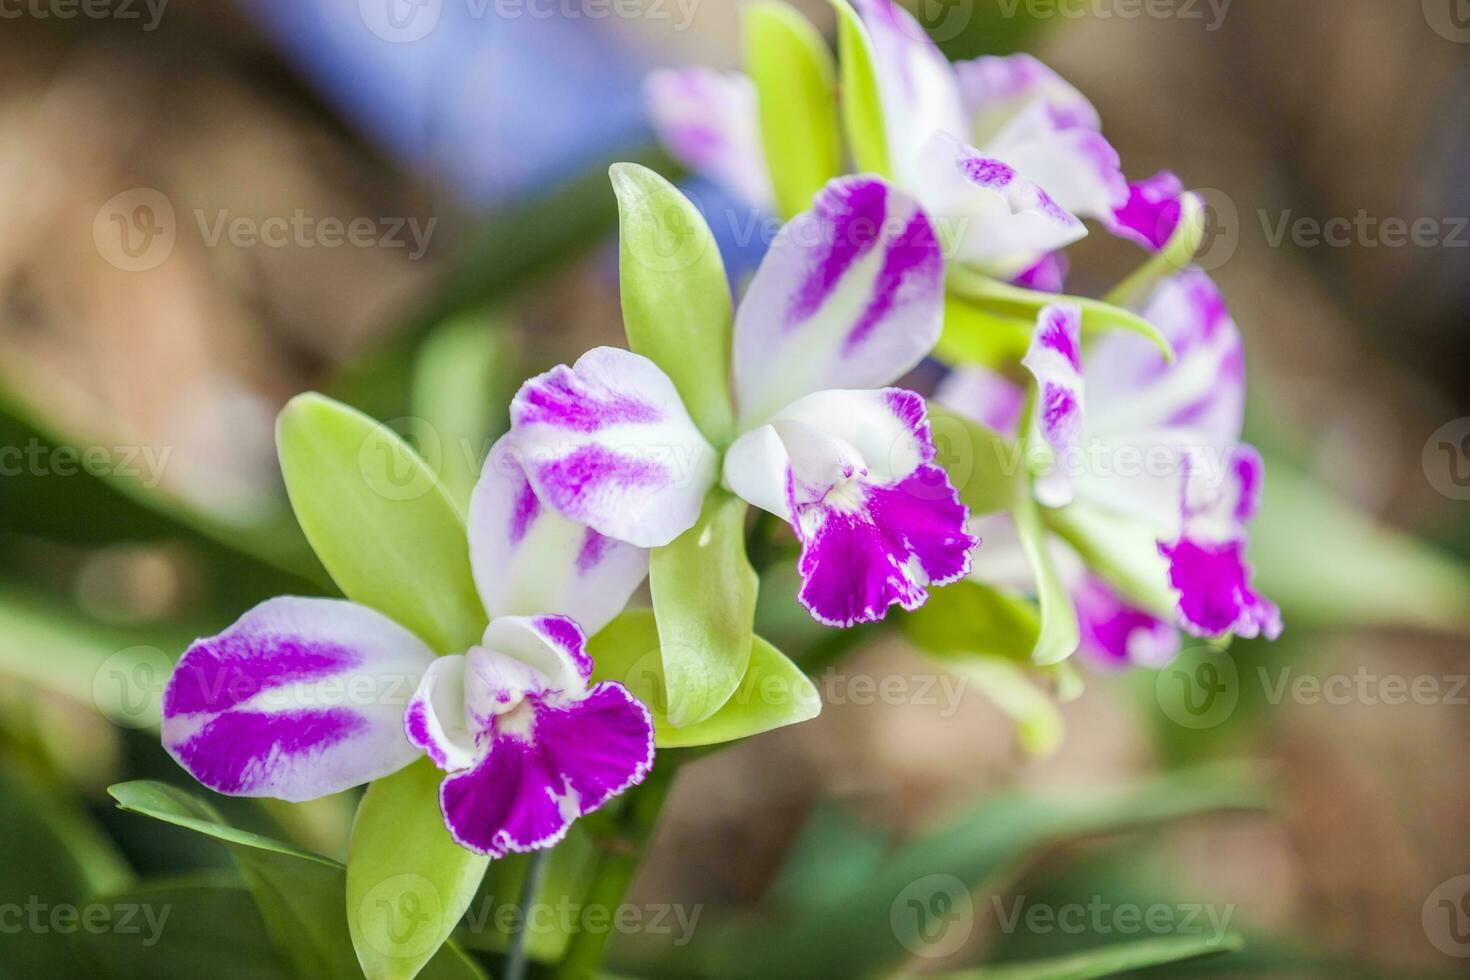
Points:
(298, 699)
(549, 762)
(1054, 359)
(1215, 597)
(710, 122)
(850, 295)
(1117, 634)
(1049, 275)
(1151, 213)
(1077, 167)
(529, 559)
(608, 443)
(993, 217)
(881, 545)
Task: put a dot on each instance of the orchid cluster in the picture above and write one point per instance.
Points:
(639, 463)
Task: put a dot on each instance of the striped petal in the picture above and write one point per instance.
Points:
(993, 217)
(1054, 360)
(996, 89)
(298, 699)
(528, 559)
(917, 85)
(608, 443)
(547, 762)
(850, 295)
(709, 121)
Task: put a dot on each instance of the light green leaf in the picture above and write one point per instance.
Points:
(408, 882)
(1327, 563)
(969, 619)
(1110, 960)
(676, 298)
(862, 104)
(704, 594)
(1176, 255)
(983, 465)
(975, 334)
(1059, 633)
(299, 894)
(463, 378)
(1014, 303)
(1124, 553)
(772, 693)
(795, 78)
(379, 520)
(204, 925)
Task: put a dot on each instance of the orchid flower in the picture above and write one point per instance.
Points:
(303, 697)
(1121, 435)
(848, 299)
(1003, 153)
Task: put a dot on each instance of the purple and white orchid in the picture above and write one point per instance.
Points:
(1004, 154)
(1121, 432)
(305, 697)
(848, 299)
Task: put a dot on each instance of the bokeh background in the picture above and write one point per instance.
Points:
(150, 328)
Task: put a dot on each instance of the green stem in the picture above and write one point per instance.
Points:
(615, 866)
(515, 956)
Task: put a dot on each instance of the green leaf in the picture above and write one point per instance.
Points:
(1015, 303)
(772, 693)
(299, 894)
(464, 377)
(968, 618)
(983, 465)
(1327, 563)
(864, 932)
(862, 104)
(1176, 255)
(408, 882)
(704, 594)
(1059, 634)
(204, 925)
(379, 520)
(975, 334)
(1110, 960)
(832, 854)
(1124, 553)
(795, 79)
(676, 298)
